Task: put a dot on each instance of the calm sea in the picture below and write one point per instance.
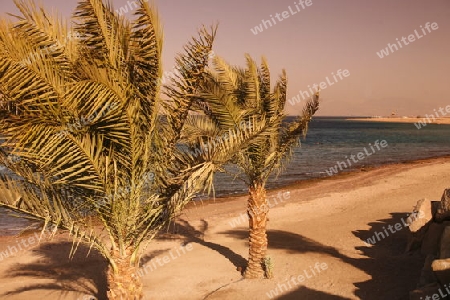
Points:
(333, 140)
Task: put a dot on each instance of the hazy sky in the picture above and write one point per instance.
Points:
(318, 40)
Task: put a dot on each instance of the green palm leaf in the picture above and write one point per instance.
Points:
(93, 136)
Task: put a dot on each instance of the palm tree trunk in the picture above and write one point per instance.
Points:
(123, 280)
(257, 214)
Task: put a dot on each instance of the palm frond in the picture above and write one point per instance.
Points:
(252, 86)
(185, 86)
(102, 33)
(296, 130)
(232, 94)
(145, 53)
(96, 140)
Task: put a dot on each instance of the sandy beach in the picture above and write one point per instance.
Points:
(406, 120)
(317, 235)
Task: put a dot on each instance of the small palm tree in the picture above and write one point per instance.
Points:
(97, 151)
(235, 96)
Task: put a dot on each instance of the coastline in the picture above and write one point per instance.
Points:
(305, 183)
(348, 174)
(322, 221)
(326, 221)
(442, 121)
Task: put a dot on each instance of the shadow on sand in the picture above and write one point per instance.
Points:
(193, 235)
(306, 293)
(394, 273)
(86, 274)
(83, 274)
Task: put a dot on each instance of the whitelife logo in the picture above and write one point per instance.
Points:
(157, 262)
(243, 218)
(24, 244)
(431, 118)
(439, 296)
(302, 95)
(341, 165)
(266, 24)
(307, 274)
(380, 235)
(411, 38)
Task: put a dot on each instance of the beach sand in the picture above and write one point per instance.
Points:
(323, 223)
(406, 120)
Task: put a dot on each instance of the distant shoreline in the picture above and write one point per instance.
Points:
(445, 121)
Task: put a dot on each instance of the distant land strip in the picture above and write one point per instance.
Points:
(443, 120)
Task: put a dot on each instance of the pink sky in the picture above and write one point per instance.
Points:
(320, 39)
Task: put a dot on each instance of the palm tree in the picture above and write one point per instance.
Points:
(234, 96)
(98, 152)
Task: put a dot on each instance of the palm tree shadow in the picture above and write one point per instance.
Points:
(84, 273)
(149, 256)
(390, 268)
(307, 293)
(193, 235)
(394, 272)
(291, 242)
(295, 243)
